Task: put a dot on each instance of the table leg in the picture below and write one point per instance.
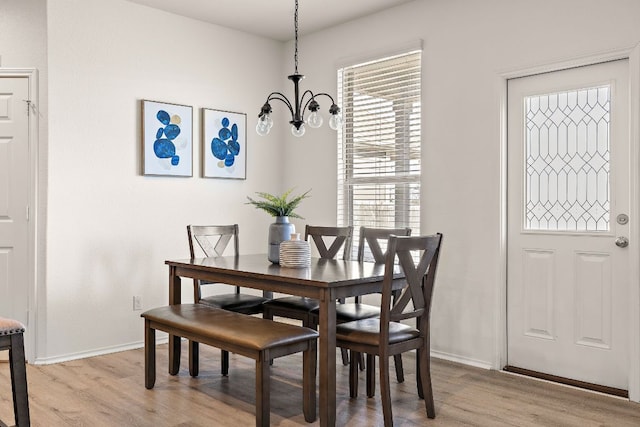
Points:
(175, 297)
(327, 360)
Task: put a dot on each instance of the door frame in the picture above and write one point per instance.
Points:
(32, 243)
(500, 318)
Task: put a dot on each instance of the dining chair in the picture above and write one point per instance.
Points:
(212, 241)
(12, 339)
(303, 308)
(372, 247)
(386, 335)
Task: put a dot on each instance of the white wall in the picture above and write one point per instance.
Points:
(467, 44)
(109, 227)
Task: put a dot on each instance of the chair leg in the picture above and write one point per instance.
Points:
(425, 378)
(371, 375)
(225, 362)
(397, 360)
(149, 355)
(194, 358)
(19, 381)
(345, 356)
(419, 376)
(385, 391)
(309, 382)
(353, 374)
(263, 375)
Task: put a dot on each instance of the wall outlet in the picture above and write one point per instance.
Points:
(137, 302)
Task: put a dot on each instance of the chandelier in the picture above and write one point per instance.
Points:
(302, 103)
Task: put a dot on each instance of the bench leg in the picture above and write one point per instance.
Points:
(263, 376)
(149, 355)
(225, 363)
(19, 381)
(309, 358)
(194, 358)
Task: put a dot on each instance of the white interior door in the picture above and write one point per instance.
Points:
(14, 198)
(568, 205)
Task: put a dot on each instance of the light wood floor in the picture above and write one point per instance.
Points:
(109, 391)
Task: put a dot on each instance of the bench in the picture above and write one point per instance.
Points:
(254, 337)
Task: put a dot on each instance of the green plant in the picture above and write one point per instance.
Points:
(278, 205)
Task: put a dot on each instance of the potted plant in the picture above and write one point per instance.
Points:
(282, 207)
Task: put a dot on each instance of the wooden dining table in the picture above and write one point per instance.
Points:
(325, 280)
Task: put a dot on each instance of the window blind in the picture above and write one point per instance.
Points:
(379, 146)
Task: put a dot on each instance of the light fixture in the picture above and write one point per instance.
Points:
(306, 101)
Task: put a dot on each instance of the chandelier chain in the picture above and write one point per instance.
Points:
(295, 26)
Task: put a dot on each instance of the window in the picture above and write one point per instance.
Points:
(568, 160)
(379, 146)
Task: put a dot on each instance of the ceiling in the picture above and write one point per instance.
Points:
(273, 18)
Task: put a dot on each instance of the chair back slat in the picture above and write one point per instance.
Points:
(372, 238)
(205, 236)
(212, 239)
(415, 298)
(342, 239)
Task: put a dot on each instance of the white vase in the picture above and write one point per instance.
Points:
(295, 253)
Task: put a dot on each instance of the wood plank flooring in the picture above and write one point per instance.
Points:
(109, 391)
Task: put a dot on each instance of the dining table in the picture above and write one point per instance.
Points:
(326, 280)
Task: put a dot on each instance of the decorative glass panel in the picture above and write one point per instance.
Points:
(567, 160)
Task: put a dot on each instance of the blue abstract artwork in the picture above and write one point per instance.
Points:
(167, 139)
(224, 144)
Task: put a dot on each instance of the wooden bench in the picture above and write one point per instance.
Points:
(254, 337)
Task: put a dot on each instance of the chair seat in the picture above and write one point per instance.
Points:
(294, 303)
(10, 326)
(348, 312)
(367, 331)
(234, 302)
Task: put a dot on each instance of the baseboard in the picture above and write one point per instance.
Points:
(461, 359)
(140, 344)
(93, 353)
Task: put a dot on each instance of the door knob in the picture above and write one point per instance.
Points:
(622, 242)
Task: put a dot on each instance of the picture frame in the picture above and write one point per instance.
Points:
(224, 144)
(167, 139)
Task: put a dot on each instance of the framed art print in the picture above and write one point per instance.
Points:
(167, 139)
(224, 144)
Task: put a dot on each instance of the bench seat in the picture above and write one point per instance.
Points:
(254, 337)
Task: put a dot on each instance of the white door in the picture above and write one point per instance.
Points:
(568, 203)
(14, 198)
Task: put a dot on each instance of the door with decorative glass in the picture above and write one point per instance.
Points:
(568, 224)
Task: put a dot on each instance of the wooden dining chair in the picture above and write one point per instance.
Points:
(212, 241)
(372, 248)
(12, 339)
(386, 335)
(303, 308)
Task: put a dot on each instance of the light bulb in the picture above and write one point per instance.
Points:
(265, 123)
(298, 131)
(335, 122)
(315, 119)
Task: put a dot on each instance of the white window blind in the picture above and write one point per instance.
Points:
(379, 146)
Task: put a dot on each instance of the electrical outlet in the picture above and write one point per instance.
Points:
(137, 302)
